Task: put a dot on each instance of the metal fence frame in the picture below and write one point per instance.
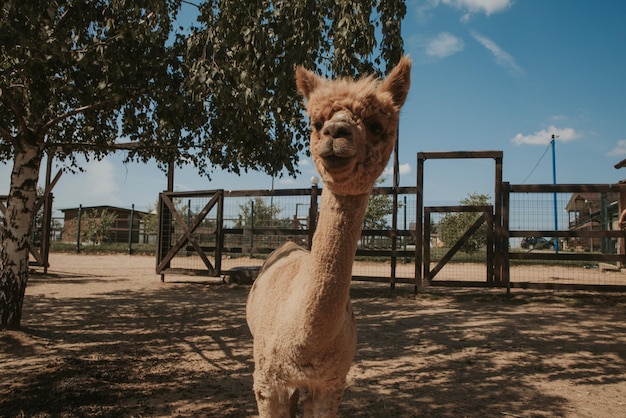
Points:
(168, 216)
(498, 249)
(496, 216)
(619, 234)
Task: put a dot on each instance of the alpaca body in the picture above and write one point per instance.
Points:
(299, 310)
(310, 326)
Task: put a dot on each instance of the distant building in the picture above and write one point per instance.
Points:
(120, 230)
(592, 211)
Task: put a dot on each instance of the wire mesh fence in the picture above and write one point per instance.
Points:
(566, 237)
(555, 234)
(252, 224)
(447, 225)
(546, 235)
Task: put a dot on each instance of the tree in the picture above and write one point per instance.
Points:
(78, 75)
(74, 77)
(242, 60)
(256, 214)
(97, 226)
(379, 207)
(453, 225)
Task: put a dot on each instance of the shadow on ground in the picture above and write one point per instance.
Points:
(183, 349)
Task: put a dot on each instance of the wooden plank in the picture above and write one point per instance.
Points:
(459, 208)
(570, 233)
(567, 188)
(563, 256)
(444, 155)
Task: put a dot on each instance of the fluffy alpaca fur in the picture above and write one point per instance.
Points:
(299, 310)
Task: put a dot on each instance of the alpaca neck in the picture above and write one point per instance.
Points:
(332, 252)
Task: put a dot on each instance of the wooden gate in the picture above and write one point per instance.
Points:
(486, 217)
(170, 219)
(491, 215)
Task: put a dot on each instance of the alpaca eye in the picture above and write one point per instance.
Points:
(318, 125)
(376, 128)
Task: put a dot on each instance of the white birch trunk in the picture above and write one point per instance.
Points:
(15, 233)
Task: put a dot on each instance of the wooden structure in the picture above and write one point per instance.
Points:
(590, 211)
(492, 215)
(177, 233)
(125, 228)
(499, 254)
(496, 217)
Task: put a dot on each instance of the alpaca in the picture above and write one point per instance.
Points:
(299, 310)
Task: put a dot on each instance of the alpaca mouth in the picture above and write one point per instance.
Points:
(334, 162)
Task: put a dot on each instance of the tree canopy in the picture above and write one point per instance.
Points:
(82, 77)
(79, 76)
(241, 61)
(453, 225)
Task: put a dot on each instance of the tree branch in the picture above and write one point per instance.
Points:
(121, 146)
(124, 146)
(19, 115)
(61, 20)
(190, 3)
(93, 106)
(46, 127)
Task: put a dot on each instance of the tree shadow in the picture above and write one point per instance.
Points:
(131, 354)
(478, 353)
(183, 349)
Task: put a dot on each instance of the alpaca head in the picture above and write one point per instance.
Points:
(354, 125)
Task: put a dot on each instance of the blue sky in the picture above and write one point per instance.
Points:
(487, 75)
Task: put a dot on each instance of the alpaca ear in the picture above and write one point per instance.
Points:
(306, 81)
(398, 81)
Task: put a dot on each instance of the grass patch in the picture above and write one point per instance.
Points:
(104, 248)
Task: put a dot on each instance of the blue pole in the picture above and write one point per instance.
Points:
(556, 220)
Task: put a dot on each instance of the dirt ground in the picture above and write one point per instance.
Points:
(102, 336)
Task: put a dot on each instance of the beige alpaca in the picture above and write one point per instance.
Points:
(299, 310)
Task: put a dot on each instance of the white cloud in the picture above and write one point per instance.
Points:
(557, 118)
(467, 7)
(619, 150)
(95, 186)
(443, 45)
(304, 162)
(544, 136)
(402, 170)
(503, 58)
(470, 7)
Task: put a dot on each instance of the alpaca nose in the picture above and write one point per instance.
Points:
(338, 130)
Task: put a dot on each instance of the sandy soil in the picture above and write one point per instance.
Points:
(102, 336)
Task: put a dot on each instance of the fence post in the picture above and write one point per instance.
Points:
(80, 213)
(47, 231)
(130, 229)
(219, 231)
(504, 235)
(406, 228)
(419, 213)
(313, 210)
(251, 242)
(164, 238)
(394, 237)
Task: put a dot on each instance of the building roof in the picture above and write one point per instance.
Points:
(591, 199)
(103, 207)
